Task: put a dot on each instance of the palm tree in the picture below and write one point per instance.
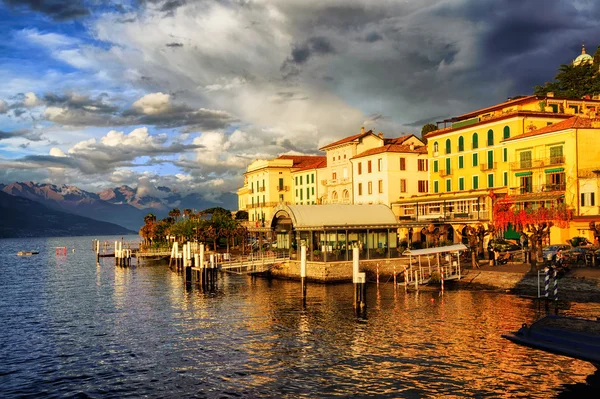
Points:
(149, 218)
(175, 213)
(187, 212)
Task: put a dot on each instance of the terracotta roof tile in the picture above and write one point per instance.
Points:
(398, 140)
(321, 163)
(302, 161)
(404, 148)
(576, 122)
(347, 139)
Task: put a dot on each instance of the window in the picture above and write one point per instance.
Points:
(490, 159)
(490, 137)
(333, 175)
(435, 148)
(402, 185)
(436, 186)
(300, 194)
(490, 180)
(475, 160)
(360, 168)
(359, 188)
(296, 180)
(313, 190)
(588, 199)
(264, 200)
(368, 166)
(370, 187)
(448, 165)
(555, 181)
(461, 144)
(505, 154)
(421, 165)
(448, 146)
(505, 179)
(423, 186)
(461, 162)
(379, 164)
(344, 156)
(475, 142)
(280, 197)
(475, 182)
(307, 192)
(525, 159)
(280, 184)
(380, 186)
(312, 178)
(300, 180)
(402, 163)
(556, 155)
(506, 132)
(435, 166)
(526, 184)
(461, 183)
(448, 185)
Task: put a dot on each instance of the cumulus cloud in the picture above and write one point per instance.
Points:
(3, 107)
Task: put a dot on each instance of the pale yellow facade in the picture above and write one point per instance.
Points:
(384, 177)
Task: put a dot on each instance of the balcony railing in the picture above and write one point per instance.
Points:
(537, 163)
(261, 189)
(250, 191)
(449, 216)
(444, 173)
(544, 188)
(488, 166)
(283, 188)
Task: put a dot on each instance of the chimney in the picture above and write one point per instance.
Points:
(380, 135)
(412, 146)
(362, 130)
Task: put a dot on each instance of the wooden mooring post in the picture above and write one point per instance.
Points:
(303, 271)
(360, 284)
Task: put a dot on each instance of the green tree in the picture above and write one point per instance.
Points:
(429, 127)
(241, 215)
(573, 82)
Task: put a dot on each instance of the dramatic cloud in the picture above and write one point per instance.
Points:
(24, 134)
(58, 10)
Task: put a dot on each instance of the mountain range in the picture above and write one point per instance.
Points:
(124, 205)
(22, 217)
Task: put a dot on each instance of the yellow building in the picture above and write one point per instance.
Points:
(307, 186)
(268, 183)
(469, 159)
(387, 172)
(555, 165)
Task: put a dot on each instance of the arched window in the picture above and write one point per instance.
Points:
(490, 140)
(475, 141)
(345, 195)
(461, 144)
(506, 134)
(334, 196)
(448, 146)
(435, 147)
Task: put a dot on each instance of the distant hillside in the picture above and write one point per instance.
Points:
(21, 217)
(79, 202)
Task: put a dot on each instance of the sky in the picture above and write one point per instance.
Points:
(187, 93)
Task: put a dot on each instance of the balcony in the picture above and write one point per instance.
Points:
(261, 189)
(250, 191)
(444, 173)
(488, 166)
(335, 182)
(537, 163)
(283, 188)
(544, 188)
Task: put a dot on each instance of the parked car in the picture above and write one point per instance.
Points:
(503, 245)
(549, 252)
(574, 255)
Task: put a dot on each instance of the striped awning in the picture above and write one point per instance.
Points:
(554, 170)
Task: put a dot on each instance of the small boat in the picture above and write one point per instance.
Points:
(561, 335)
(27, 253)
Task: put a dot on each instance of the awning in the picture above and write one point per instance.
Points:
(554, 170)
(435, 250)
(524, 173)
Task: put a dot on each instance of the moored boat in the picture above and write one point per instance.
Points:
(27, 253)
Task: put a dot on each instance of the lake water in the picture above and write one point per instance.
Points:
(72, 328)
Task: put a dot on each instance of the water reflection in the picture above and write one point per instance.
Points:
(104, 331)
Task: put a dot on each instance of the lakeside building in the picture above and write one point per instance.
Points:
(267, 183)
(477, 156)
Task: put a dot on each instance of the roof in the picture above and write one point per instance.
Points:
(496, 118)
(576, 122)
(435, 250)
(348, 139)
(398, 140)
(404, 148)
(302, 161)
(306, 217)
(321, 163)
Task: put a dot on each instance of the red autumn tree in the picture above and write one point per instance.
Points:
(532, 221)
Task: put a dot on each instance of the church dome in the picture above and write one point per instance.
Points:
(583, 58)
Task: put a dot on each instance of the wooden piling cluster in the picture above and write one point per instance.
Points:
(122, 256)
(192, 263)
